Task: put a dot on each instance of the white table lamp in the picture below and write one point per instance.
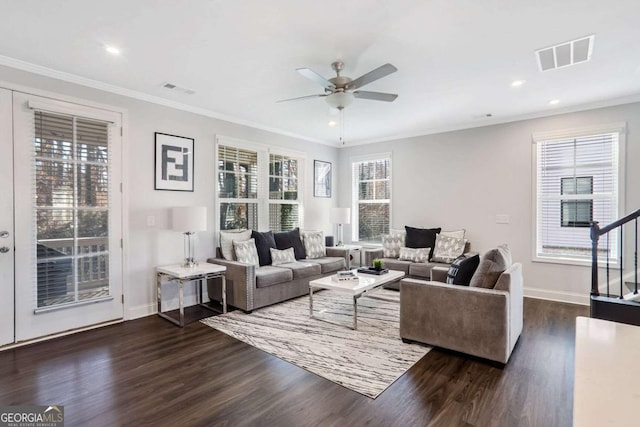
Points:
(188, 220)
(340, 216)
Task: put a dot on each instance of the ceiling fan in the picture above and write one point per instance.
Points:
(340, 91)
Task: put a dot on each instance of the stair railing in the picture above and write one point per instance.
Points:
(596, 232)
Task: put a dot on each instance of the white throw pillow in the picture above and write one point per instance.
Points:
(391, 244)
(246, 252)
(414, 254)
(447, 249)
(282, 256)
(227, 237)
(314, 244)
(458, 234)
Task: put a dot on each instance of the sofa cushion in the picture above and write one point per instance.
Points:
(246, 252)
(282, 256)
(462, 270)
(329, 263)
(447, 248)
(264, 241)
(301, 269)
(314, 244)
(491, 266)
(227, 237)
(269, 276)
(391, 244)
(290, 239)
(421, 238)
(396, 264)
(423, 269)
(414, 254)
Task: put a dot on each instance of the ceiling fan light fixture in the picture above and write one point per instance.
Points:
(339, 99)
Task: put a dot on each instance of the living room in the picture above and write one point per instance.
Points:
(477, 174)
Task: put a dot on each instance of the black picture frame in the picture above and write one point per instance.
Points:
(321, 178)
(174, 162)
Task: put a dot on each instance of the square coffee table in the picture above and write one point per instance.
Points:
(355, 288)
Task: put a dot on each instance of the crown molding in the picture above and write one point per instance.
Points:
(95, 84)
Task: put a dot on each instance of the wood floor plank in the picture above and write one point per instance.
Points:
(148, 371)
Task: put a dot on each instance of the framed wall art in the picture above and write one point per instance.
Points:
(173, 162)
(321, 178)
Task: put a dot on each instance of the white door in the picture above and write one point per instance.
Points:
(68, 216)
(6, 220)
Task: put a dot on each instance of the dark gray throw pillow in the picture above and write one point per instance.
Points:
(290, 239)
(264, 243)
(462, 269)
(421, 238)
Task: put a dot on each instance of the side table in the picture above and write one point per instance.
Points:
(181, 275)
(354, 252)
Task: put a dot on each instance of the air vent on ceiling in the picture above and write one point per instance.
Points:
(177, 88)
(565, 54)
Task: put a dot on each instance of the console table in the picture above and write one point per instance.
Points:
(181, 275)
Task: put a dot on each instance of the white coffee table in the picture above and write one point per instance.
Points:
(365, 284)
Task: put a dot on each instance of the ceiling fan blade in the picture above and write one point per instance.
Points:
(376, 96)
(303, 97)
(371, 76)
(312, 75)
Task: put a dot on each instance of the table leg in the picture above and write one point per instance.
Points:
(159, 291)
(181, 293)
(310, 301)
(224, 294)
(355, 313)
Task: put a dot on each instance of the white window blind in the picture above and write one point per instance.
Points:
(258, 190)
(577, 183)
(371, 180)
(71, 189)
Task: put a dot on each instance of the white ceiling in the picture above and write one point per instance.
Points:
(456, 58)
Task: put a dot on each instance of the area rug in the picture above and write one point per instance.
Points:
(367, 360)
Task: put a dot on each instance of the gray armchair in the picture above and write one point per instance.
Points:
(481, 322)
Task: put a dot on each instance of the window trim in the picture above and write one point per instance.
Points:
(618, 127)
(354, 191)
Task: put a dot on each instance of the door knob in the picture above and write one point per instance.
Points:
(4, 249)
(4, 234)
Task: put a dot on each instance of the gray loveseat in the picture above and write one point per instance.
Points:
(250, 287)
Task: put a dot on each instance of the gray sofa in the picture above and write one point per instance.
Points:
(481, 322)
(250, 287)
(414, 270)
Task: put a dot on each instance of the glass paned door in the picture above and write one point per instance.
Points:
(68, 233)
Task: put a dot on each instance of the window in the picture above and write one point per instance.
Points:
(371, 198)
(245, 202)
(576, 184)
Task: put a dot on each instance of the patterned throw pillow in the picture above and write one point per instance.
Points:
(246, 252)
(462, 270)
(314, 244)
(227, 237)
(414, 254)
(282, 256)
(391, 244)
(447, 249)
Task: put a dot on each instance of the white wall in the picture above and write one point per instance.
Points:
(463, 179)
(147, 247)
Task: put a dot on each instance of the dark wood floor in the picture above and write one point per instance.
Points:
(150, 372)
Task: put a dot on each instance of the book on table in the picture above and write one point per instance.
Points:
(342, 276)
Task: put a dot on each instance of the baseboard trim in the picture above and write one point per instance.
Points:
(141, 311)
(567, 297)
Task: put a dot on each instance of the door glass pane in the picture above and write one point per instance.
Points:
(72, 195)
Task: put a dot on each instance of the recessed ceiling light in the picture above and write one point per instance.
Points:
(554, 102)
(112, 50)
(517, 83)
(332, 123)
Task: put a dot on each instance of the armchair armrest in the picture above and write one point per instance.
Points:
(370, 255)
(241, 282)
(337, 251)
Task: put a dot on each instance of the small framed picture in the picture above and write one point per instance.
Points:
(173, 163)
(321, 178)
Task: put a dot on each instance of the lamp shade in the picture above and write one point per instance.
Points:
(341, 216)
(190, 218)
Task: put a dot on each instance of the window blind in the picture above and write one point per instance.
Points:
(371, 181)
(577, 183)
(72, 199)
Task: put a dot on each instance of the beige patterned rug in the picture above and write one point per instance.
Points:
(367, 360)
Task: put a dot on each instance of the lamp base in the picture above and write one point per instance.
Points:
(190, 263)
